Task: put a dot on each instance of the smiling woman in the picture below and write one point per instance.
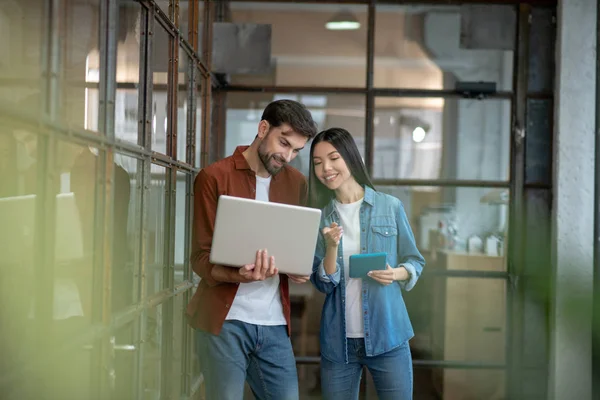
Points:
(356, 219)
(336, 162)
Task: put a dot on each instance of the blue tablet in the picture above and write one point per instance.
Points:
(360, 264)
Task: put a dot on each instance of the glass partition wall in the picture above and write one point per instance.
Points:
(102, 134)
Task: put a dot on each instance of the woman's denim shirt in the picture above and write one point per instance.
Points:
(384, 228)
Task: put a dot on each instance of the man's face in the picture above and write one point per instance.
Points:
(279, 145)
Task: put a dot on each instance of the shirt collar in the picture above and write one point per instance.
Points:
(239, 159)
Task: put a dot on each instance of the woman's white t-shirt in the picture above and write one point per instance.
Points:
(350, 222)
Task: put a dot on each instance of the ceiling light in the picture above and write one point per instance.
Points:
(418, 134)
(343, 21)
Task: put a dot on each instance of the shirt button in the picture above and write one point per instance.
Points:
(364, 292)
(365, 313)
(364, 248)
(386, 232)
(363, 229)
(367, 334)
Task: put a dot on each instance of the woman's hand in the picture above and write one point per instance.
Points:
(389, 275)
(333, 234)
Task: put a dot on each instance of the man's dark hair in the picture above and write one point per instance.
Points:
(292, 113)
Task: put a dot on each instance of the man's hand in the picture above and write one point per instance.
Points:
(299, 278)
(263, 268)
(389, 275)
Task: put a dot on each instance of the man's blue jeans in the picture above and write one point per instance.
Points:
(392, 373)
(262, 355)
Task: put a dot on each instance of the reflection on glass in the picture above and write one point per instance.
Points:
(156, 232)
(126, 352)
(22, 22)
(317, 57)
(160, 104)
(153, 360)
(69, 208)
(18, 225)
(426, 49)
(68, 377)
(181, 221)
(179, 346)
(128, 71)
(193, 343)
(435, 138)
(245, 110)
(76, 232)
(126, 226)
(126, 115)
(81, 63)
(182, 105)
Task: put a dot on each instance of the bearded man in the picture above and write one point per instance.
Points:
(242, 315)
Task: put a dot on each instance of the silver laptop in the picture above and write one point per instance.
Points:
(243, 226)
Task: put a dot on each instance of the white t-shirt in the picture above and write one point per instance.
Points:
(350, 221)
(259, 303)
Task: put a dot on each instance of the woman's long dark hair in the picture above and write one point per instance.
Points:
(341, 139)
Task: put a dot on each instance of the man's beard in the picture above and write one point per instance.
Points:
(265, 158)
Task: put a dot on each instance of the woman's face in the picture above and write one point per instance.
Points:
(330, 167)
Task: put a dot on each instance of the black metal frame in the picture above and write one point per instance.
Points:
(514, 304)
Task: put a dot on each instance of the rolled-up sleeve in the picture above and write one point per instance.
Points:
(412, 280)
(325, 277)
